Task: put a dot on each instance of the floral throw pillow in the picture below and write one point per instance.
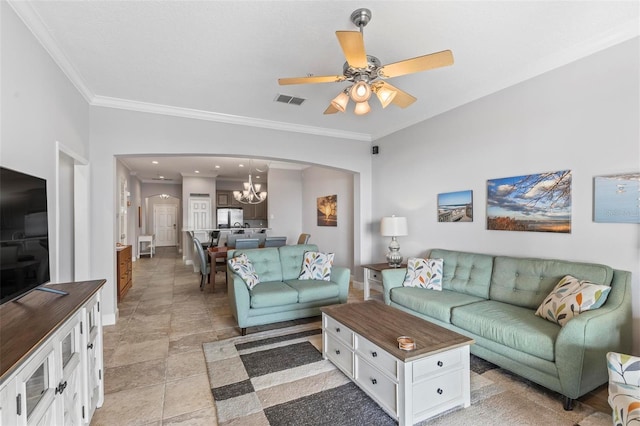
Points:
(316, 266)
(424, 273)
(243, 267)
(570, 298)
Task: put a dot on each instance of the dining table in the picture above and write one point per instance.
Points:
(216, 253)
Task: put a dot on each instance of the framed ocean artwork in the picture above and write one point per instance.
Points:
(616, 198)
(455, 206)
(536, 203)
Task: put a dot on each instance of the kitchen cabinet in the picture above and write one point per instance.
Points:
(222, 199)
(255, 211)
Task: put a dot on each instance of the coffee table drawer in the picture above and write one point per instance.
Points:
(339, 354)
(438, 363)
(377, 356)
(339, 330)
(439, 390)
(377, 384)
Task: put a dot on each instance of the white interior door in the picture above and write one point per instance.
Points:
(199, 213)
(164, 217)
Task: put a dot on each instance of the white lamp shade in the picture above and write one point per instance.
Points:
(340, 102)
(393, 226)
(362, 108)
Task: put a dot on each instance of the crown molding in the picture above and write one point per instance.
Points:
(34, 23)
(108, 102)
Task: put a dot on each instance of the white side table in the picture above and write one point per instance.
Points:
(151, 240)
(373, 277)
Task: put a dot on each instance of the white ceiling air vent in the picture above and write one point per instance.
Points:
(291, 100)
(156, 178)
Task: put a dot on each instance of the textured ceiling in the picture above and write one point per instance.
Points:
(221, 59)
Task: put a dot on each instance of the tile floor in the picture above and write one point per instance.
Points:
(155, 372)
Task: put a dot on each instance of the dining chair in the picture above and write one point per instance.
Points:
(304, 238)
(246, 243)
(215, 238)
(261, 238)
(275, 241)
(205, 269)
(231, 240)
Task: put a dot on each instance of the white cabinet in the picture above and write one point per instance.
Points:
(94, 393)
(409, 391)
(59, 382)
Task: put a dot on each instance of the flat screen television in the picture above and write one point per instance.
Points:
(24, 234)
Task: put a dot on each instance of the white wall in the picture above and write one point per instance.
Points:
(319, 182)
(39, 107)
(285, 201)
(120, 132)
(583, 117)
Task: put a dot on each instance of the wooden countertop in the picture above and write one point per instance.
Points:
(29, 321)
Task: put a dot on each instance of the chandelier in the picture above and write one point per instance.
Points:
(251, 193)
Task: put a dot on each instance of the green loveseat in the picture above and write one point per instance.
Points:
(280, 296)
(493, 299)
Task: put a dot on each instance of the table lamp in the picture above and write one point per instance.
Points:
(394, 227)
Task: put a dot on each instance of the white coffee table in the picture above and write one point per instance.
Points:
(411, 386)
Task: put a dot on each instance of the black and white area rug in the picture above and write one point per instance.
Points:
(278, 377)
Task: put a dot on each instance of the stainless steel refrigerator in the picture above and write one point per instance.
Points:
(229, 217)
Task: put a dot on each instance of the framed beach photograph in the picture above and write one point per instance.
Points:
(327, 208)
(455, 206)
(616, 198)
(536, 203)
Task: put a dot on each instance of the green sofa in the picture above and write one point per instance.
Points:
(493, 300)
(280, 296)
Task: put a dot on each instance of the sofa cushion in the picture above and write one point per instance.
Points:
(266, 262)
(312, 290)
(570, 298)
(242, 266)
(274, 293)
(526, 282)
(423, 273)
(513, 326)
(467, 273)
(291, 258)
(316, 266)
(434, 304)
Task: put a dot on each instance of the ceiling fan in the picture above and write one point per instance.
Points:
(367, 73)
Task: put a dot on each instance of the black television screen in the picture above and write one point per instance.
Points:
(24, 236)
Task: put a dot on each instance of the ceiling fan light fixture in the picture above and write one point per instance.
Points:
(340, 102)
(385, 95)
(362, 108)
(360, 92)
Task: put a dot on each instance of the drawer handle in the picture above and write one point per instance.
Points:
(337, 351)
(439, 391)
(374, 354)
(337, 329)
(90, 346)
(440, 364)
(374, 381)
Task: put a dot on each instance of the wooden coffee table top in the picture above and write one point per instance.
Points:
(382, 325)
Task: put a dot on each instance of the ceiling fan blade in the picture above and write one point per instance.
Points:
(352, 45)
(401, 99)
(421, 63)
(311, 80)
(331, 109)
